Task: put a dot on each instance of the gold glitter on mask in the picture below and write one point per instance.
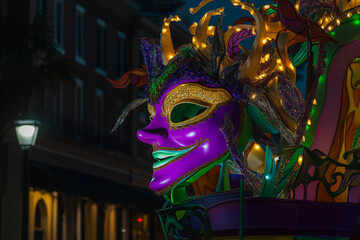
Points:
(211, 98)
(151, 110)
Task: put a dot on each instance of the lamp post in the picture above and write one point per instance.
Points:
(26, 131)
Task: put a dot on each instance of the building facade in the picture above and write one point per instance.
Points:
(85, 183)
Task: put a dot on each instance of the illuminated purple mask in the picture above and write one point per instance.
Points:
(184, 132)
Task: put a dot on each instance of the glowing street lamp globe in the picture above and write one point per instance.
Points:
(26, 132)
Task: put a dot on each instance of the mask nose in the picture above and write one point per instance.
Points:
(152, 135)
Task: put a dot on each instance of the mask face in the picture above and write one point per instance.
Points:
(184, 131)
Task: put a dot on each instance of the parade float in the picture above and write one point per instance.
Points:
(261, 141)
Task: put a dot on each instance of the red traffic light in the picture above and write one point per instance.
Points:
(140, 220)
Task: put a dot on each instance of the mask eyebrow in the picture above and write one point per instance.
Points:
(193, 93)
(128, 108)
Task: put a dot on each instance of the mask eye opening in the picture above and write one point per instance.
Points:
(185, 111)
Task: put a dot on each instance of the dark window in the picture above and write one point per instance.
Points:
(61, 217)
(120, 131)
(40, 221)
(79, 31)
(101, 45)
(41, 7)
(58, 22)
(58, 105)
(120, 54)
(99, 115)
(79, 105)
(119, 224)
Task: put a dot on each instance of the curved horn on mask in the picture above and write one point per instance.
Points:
(252, 64)
(201, 31)
(167, 47)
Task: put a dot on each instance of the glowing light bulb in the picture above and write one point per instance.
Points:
(267, 177)
(330, 28)
(171, 56)
(314, 102)
(253, 96)
(257, 146)
(297, 6)
(281, 67)
(203, 45)
(338, 22)
(309, 122)
(267, 6)
(164, 30)
(300, 160)
(278, 61)
(210, 27)
(303, 139)
(267, 57)
(349, 15)
(292, 66)
(193, 39)
(264, 41)
(253, 31)
(26, 130)
(237, 29)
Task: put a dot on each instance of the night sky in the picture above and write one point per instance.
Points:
(231, 13)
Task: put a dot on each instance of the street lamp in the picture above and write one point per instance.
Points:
(26, 131)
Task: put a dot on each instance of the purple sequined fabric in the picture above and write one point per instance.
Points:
(261, 102)
(309, 8)
(151, 51)
(190, 65)
(291, 97)
(254, 178)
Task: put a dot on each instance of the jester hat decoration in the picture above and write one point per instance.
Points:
(217, 105)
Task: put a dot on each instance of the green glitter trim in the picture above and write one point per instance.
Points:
(158, 81)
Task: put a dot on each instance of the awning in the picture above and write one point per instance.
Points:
(53, 178)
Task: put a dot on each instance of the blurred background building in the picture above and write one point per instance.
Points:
(84, 183)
